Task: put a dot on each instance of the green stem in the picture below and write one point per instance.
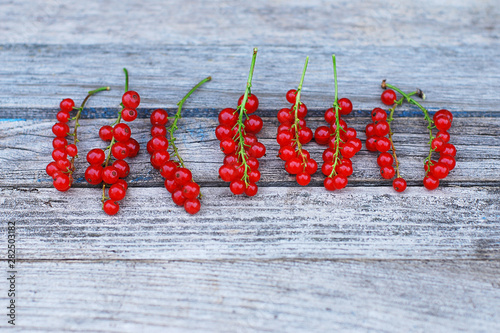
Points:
(126, 79)
(174, 127)
(337, 121)
(241, 126)
(430, 122)
(296, 124)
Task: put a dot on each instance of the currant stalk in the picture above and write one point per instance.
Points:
(296, 124)
(336, 108)
(240, 126)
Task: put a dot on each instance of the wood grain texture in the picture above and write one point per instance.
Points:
(477, 141)
(35, 77)
(368, 223)
(259, 296)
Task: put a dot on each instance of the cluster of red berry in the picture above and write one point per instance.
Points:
(236, 133)
(293, 133)
(64, 154)
(342, 142)
(178, 179)
(122, 145)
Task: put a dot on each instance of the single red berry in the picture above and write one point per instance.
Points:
(116, 192)
(437, 144)
(253, 163)
(443, 135)
(371, 143)
(305, 154)
(192, 206)
(254, 176)
(382, 128)
(51, 168)
(131, 99)
(439, 170)
(59, 142)
(345, 106)
(385, 159)
(311, 166)
(251, 189)
(285, 116)
(228, 117)
(231, 159)
(444, 112)
(343, 125)
(356, 143)
(387, 172)
(227, 173)
(388, 97)
(159, 117)
(158, 130)
(257, 150)
(293, 166)
(228, 146)
(72, 150)
(106, 133)
(284, 138)
(431, 182)
(62, 182)
(286, 127)
(447, 160)
(64, 165)
(252, 103)
(129, 114)
(379, 114)
(121, 132)
(159, 158)
(60, 129)
(119, 150)
(63, 117)
(122, 167)
(253, 124)
(240, 171)
(442, 122)
(93, 174)
(223, 132)
(178, 197)
(159, 143)
(330, 116)
(182, 176)
(122, 183)
(237, 187)
(110, 207)
(348, 150)
(383, 144)
(350, 133)
(344, 169)
(59, 154)
(303, 178)
(67, 105)
(339, 182)
(329, 184)
(191, 190)
(370, 130)
(110, 174)
(322, 135)
(249, 139)
(168, 169)
(399, 184)
(449, 149)
(291, 95)
(427, 164)
(286, 153)
(301, 111)
(171, 185)
(133, 147)
(305, 135)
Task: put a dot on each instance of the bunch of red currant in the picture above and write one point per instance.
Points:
(236, 133)
(178, 179)
(64, 154)
(122, 145)
(293, 133)
(342, 142)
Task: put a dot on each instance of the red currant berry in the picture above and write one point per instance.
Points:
(159, 117)
(399, 184)
(93, 174)
(348, 150)
(122, 183)
(59, 142)
(253, 163)
(431, 182)
(388, 97)
(305, 135)
(159, 143)
(330, 116)
(158, 130)
(178, 197)
(182, 176)
(64, 165)
(356, 143)
(437, 144)
(285, 116)
(252, 103)
(253, 124)
(382, 128)
(133, 147)
(383, 144)
(286, 127)
(51, 168)
(443, 135)
(119, 150)
(228, 146)
(345, 106)
(284, 138)
(303, 178)
(72, 150)
(387, 172)
(286, 153)
(67, 105)
(254, 176)
(116, 192)
(228, 117)
(106, 133)
(448, 160)
(322, 135)
(439, 170)
(60, 129)
(251, 190)
(257, 150)
(371, 143)
(339, 182)
(443, 123)
(350, 133)
(159, 158)
(328, 155)
(168, 169)
(385, 159)
(311, 166)
(379, 114)
(370, 130)
(110, 175)
(129, 114)
(301, 111)
(191, 190)
(443, 112)
(293, 166)
(449, 149)
(122, 167)
(223, 132)
(192, 206)
(121, 132)
(291, 95)
(329, 184)
(171, 185)
(63, 117)
(249, 139)
(131, 99)
(62, 182)
(231, 159)
(110, 207)
(237, 187)
(344, 169)
(59, 154)
(227, 173)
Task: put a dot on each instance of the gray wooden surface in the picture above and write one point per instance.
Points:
(364, 259)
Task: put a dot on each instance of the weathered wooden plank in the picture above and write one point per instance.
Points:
(392, 22)
(449, 223)
(477, 141)
(35, 77)
(270, 296)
